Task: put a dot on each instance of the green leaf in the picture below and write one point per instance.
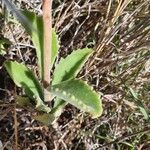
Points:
(79, 94)
(37, 34)
(71, 65)
(23, 101)
(24, 78)
(50, 118)
(55, 46)
(68, 68)
(45, 118)
(2, 51)
(4, 43)
(53, 115)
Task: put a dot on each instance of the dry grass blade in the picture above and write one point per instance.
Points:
(119, 32)
(15, 128)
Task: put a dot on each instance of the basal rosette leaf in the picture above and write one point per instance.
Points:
(53, 115)
(71, 65)
(79, 94)
(55, 46)
(37, 35)
(24, 78)
(66, 69)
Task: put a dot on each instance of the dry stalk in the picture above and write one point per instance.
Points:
(118, 12)
(47, 20)
(15, 128)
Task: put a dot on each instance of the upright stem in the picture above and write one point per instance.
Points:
(47, 20)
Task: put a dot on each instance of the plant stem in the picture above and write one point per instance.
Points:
(47, 21)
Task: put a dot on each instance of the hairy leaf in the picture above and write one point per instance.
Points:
(79, 94)
(24, 78)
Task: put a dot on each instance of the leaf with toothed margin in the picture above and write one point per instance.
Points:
(35, 29)
(71, 65)
(24, 78)
(68, 68)
(79, 94)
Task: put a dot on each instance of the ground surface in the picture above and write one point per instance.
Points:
(119, 70)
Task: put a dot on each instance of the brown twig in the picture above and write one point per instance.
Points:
(47, 20)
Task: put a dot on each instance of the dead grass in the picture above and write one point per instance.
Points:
(119, 32)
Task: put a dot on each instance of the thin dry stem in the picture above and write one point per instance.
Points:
(15, 128)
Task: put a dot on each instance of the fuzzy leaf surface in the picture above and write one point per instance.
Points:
(79, 94)
(24, 78)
